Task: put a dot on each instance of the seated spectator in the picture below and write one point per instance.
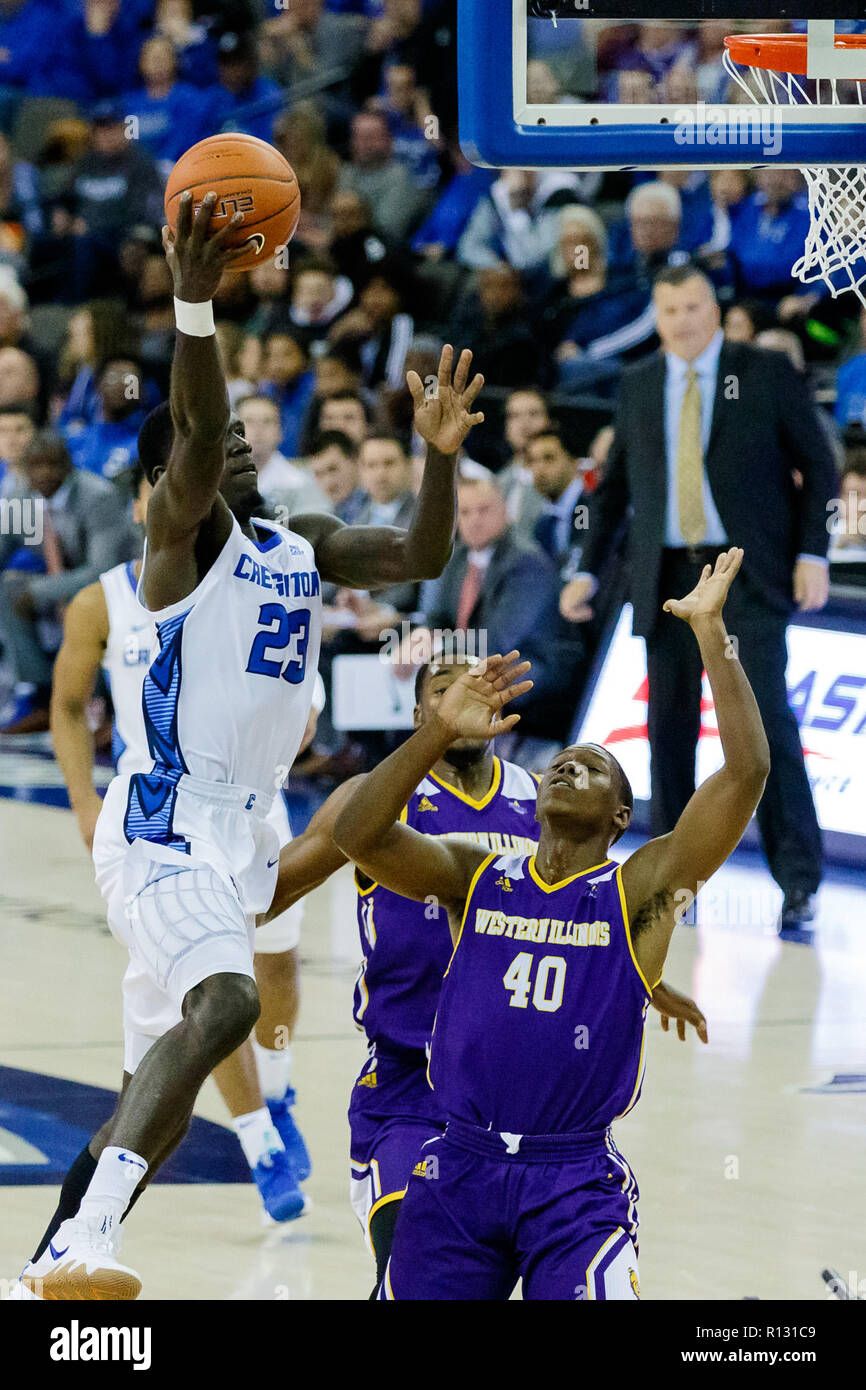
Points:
(233, 344)
(848, 533)
(590, 315)
(193, 43)
(729, 189)
(16, 431)
(83, 531)
(15, 332)
(156, 326)
(108, 446)
(784, 340)
(307, 42)
(116, 182)
(517, 220)
(526, 414)
(851, 384)
(244, 100)
(493, 319)
(283, 484)
(380, 179)
(769, 235)
(19, 379)
(381, 331)
(318, 297)
(655, 49)
(649, 237)
(21, 214)
(557, 478)
(357, 249)
(334, 466)
(300, 135)
(347, 412)
(338, 369)
(94, 333)
(171, 115)
(269, 283)
(440, 232)
(385, 475)
(394, 409)
(288, 379)
(745, 319)
(36, 43)
(505, 588)
(414, 128)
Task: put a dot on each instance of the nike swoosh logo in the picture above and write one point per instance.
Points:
(124, 1158)
(56, 1254)
(258, 240)
(272, 862)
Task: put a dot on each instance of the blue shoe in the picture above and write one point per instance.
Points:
(293, 1139)
(278, 1187)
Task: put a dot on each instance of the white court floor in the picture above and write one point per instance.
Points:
(750, 1161)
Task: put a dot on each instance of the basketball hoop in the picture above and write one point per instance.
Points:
(772, 70)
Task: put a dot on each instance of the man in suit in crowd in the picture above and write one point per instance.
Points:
(504, 591)
(68, 526)
(557, 478)
(708, 436)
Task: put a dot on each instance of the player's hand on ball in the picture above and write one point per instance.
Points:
(472, 706)
(673, 1005)
(445, 418)
(197, 257)
(707, 598)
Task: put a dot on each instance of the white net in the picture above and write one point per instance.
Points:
(835, 249)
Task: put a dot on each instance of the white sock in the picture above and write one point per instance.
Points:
(118, 1173)
(274, 1066)
(257, 1135)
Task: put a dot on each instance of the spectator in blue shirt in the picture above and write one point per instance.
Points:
(291, 383)
(171, 115)
(769, 233)
(414, 128)
(193, 43)
(439, 234)
(107, 447)
(246, 101)
(33, 36)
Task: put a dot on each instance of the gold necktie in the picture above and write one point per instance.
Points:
(690, 465)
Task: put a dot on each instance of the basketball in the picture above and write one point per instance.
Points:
(249, 176)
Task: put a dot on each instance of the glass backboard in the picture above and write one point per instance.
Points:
(598, 84)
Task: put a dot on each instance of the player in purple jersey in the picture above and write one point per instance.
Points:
(406, 948)
(539, 1039)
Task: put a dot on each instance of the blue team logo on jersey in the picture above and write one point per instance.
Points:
(45, 1121)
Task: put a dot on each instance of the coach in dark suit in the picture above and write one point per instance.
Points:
(708, 438)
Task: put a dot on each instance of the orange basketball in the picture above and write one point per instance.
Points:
(249, 176)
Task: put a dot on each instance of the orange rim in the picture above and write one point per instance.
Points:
(783, 52)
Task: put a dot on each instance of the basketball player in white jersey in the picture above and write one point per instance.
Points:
(183, 854)
(105, 625)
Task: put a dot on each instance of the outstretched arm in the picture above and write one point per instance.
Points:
(363, 557)
(189, 488)
(368, 828)
(85, 633)
(710, 827)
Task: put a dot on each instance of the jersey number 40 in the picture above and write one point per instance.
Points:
(283, 633)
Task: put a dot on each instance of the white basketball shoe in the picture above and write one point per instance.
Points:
(80, 1262)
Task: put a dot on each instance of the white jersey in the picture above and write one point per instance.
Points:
(228, 694)
(129, 650)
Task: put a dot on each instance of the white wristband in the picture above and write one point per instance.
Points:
(195, 320)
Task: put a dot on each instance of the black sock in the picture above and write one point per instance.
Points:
(382, 1238)
(75, 1184)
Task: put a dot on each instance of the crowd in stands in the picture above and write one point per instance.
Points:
(402, 245)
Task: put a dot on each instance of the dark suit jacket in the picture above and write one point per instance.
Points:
(518, 607)
(94, 534)
(765, 425)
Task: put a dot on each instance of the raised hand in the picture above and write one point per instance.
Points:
(673, 1005)
(445, 419)
(472, 705)
(197, 258)
(707, 598)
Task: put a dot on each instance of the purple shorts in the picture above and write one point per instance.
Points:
(557, 1211)
(392, 1113)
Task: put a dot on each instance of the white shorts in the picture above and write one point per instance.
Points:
(284, 932)
(182, 916)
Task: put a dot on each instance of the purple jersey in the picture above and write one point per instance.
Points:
(540, 1027)
(407, 945)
